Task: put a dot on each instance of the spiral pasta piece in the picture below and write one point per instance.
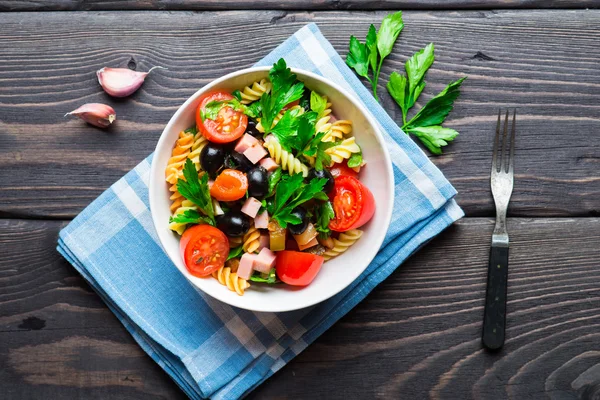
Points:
(343, 150)
(185, 205)
(199, 142)
(227, 277)
(176, 198)
(255, 91)
(180, 153)
(251, 240)
(299, 109)
(284, 158)
(342, 243)
(337, 130)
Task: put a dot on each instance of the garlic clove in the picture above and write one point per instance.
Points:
(121, 82)
(97, 114)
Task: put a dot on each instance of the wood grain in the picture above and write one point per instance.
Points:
(212, 5)
(543, 63)
(416, 336)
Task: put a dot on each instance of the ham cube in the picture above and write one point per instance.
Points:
(261, 221)
(246, 267)
(251, 207)
(265, 260)
(308, 245)
(245, 143)
(263, 241)
(269, 164)
(255, 153)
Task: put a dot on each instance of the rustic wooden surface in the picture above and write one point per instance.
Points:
(417, 335)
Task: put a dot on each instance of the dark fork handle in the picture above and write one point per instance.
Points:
(494, 318)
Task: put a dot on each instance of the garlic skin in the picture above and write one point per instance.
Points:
(121, 82)
(97, 114)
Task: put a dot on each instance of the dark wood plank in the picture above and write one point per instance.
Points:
(543, 62)
(213, 5)
(416, 336)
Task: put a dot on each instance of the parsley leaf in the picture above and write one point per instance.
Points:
(211, 109)
(286, 128)
(316, 148)
(190, 217)
(274, 179)
(396, 86)
(358, 58)
(434, 137)
(438, 108)
(317, 104)
(416, 67)
(237, 94)
(235, 252)
(355, 160)
(196, 189)
(378, 45)
(292, 192)
(271, 277)
(192, 130)
(324, 213)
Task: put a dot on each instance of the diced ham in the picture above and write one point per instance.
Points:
(263, 241)
(246, 265)
(255, 153)
(261, 221)
(269, 164)
(308, 245)
(265, 260)
(245, 143)
(251, 207)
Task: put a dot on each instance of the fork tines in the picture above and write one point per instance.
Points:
(503, 159)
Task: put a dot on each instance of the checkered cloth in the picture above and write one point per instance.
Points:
(209, 348)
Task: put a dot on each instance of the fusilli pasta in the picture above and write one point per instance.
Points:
(282, 157)
(199, 142)
(337, 130)
(255, 91)
(185, 205)
(343, 150)
(227, 276)
(341, 244)
(323, 124)
(180, 152)
(251, 240)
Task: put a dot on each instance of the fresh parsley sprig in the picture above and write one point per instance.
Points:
(271, 277)
(235, 252)
(212, 108)
(324, 214)
(196, 190)
(405, 90)
(363, 57)
(191, 217)
(292, 192)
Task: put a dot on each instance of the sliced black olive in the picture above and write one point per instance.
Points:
(258, 182)
(212, 158)
(233, 223)
(251, 128)
(297, 229)
(313, 173)
(238, 161)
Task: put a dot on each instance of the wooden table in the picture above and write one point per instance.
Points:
(417, 335)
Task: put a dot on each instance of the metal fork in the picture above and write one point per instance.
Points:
(494, 319)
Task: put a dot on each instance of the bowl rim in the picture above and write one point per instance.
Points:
(154, 187)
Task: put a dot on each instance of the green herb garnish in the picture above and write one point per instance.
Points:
(191, 217)
(196, 190)
(271, 277)
(324, 213)
(355, 160)
(274, 179)
(292, 192)
(363, 57)
(235, 252)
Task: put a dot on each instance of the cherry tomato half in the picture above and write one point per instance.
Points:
(229, 124)
(296, 268)
(230, 185)
(353, 204)
(342, 170)
(204, 249)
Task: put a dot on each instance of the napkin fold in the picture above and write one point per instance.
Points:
(210, 348)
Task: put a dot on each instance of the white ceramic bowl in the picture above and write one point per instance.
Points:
(336, 274)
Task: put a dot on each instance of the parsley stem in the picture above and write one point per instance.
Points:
(376, 78)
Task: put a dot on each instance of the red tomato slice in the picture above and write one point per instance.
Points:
(230, 185)
(204, 249)
(353, 204)
(296, 268)
(229, 124)
(342, 170)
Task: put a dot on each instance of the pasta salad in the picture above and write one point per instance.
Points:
(265, 187)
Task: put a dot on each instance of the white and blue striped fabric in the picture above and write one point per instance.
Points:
(209, 348)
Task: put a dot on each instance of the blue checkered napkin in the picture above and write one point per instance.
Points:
(209, 348)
